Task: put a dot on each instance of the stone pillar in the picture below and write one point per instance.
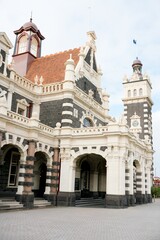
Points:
(28, 195)
(148, 184)
(66, 195)
(139, 196)
(130, 182)
(9, 98)
(21, 179)
(1, 152)
(115, 189)
(55, 175)
(94, 184)
(144, 197)
(48, 181)
(36, 110)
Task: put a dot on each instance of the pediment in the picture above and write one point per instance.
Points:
(5, 40)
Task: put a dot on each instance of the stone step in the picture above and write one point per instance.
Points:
(40, 202)
(90, 202)
(9, 204)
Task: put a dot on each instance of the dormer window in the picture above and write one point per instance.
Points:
(34, 47)
(22, 44)
(22, 107)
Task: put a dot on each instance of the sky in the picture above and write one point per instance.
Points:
(64, 25)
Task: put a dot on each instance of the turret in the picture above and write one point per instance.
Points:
(27, 47)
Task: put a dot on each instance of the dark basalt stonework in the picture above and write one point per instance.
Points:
(116, 201)
(85, 85)
(28, 200)
(66, 199)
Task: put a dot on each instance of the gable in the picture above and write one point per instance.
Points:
(88, 59)
(5, 40)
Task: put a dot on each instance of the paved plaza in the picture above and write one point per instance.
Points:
(135, 223)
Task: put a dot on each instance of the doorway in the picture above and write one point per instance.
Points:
(42, 180)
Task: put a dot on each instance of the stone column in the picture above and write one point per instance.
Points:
(143, 181)
(1, 152)
(129, 176)
(139, 196)
(48, 181)
(28, 195)
(148, 184)
(66, 195)
(9, 98)
(115, 189)
(94, 184)
(55, 172)
(21, 179)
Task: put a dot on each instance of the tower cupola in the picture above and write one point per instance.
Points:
(137, 66)
(27, 46)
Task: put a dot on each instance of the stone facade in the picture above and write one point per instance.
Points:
(58, 140)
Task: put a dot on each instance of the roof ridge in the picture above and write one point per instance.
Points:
(61, 52)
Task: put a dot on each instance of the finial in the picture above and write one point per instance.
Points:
(70, 56)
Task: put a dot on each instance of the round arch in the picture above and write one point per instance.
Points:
(90, 175)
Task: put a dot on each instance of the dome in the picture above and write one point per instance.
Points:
(30, 25)
(137, 62)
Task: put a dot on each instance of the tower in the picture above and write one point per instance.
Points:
(27, 47)
(137, 102)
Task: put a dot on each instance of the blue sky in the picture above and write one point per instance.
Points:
(116, 23)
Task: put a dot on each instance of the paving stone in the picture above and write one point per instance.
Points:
(71, 223)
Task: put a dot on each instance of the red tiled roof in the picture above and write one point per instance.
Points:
(52, 67)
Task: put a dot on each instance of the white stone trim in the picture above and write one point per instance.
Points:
(67, 105)
(66, 121)
(67, 112)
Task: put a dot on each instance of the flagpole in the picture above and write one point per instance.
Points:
(135, 43)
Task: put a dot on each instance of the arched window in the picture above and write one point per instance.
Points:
(129, 93)
(87, 122)
(22, 44)
(134, 92)
(34, 47)
(140, 92)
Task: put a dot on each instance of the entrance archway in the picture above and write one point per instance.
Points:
(40, 170)
(9, 170)
(85, 179)
(42, 181)
(90, 176)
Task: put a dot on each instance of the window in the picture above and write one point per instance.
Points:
(75, 113)
(21, 111)
(22, 107)
(140, 92)
(13, 171)
(22, 44)
(34, 47)
(134, 92)
(87, 122)
(129, 93)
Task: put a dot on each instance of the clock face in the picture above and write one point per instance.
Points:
(135, 123)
